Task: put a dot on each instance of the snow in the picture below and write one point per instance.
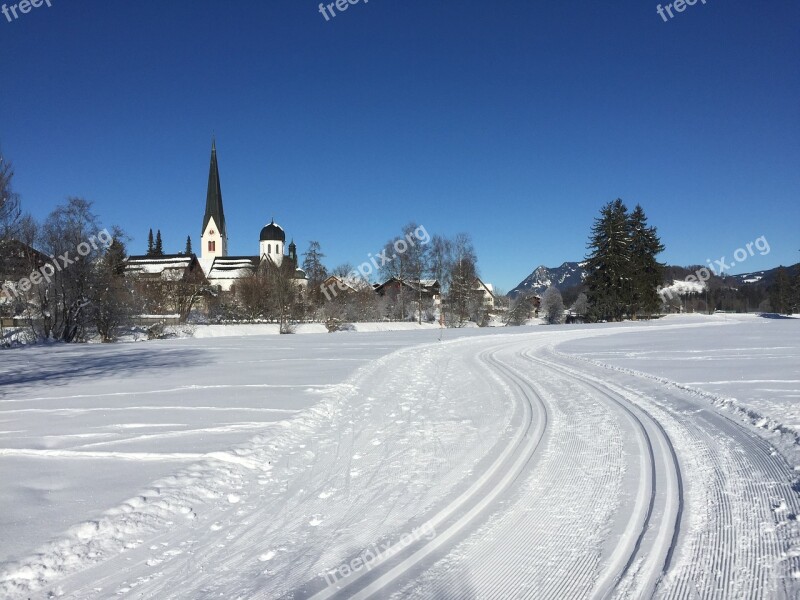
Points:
(534, 462)
(245, 330)
(753, 366)
(680, 287)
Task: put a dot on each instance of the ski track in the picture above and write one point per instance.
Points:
(493, 444)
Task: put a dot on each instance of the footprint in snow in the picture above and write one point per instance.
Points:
(326, 494)
(266, 556)
(234, 498)
(216, 526)
(376, 442)
(315, 521)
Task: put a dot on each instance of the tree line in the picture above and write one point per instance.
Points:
(436, 280)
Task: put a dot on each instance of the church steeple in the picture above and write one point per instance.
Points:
(215, 233)
(214, 195)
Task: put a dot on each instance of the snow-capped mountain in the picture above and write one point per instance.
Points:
(564, 277)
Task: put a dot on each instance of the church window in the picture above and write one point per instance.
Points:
(212, 246)
(269, 248)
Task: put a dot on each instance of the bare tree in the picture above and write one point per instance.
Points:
(520, 311)
(552, 306)
(463, 300)
(63, 301)
(184, 293)
(417, 256)
(252, 292)
(271, 293)
(581, 306)
(283, 295)
(111, 295)
(441, 261)
(342, 271)
(9, 201)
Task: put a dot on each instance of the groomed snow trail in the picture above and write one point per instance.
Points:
(486, 467)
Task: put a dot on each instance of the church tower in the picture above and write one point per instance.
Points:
(272, 240)
(214, 239)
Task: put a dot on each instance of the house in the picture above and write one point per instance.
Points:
(427, 289)
(486, 290)
(21, 266)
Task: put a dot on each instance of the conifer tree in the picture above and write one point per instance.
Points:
(608, 281)
(158, 250)
(796, 307)
(780, 293)
(646, 272)
(150, 245)
(188, 251)
(315, 271)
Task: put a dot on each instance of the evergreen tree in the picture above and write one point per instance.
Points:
(609, 278)
(780, 293)
(188, 251)
(796, 307)
(158, 250)
(646, 272)
(315, 271)
(150, 246)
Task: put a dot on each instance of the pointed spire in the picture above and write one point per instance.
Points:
(214, 195)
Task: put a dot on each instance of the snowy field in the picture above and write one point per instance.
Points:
(754, 365)
(623, 461)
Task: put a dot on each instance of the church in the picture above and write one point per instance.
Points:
(218, 267)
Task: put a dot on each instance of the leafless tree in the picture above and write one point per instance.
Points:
(9, 201)
(110, 293)
(463, 300)
(552, 306)
(64, 300)
(520, 311)
(581, 306)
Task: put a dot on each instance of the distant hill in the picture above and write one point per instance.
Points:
(564, 277)
(570, 274)
(761, 278)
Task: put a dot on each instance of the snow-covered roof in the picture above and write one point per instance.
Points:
(156, 265)
(232, 267)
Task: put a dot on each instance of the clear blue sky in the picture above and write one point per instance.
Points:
(513, 121)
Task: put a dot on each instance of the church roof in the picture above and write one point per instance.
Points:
(232, 267)
(169, 265)
(214, 196)
(273, 233)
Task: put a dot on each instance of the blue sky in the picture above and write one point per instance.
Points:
(514, 121)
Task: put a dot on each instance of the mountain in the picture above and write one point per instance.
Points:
(763, 278)
(571, 274)
(564, 277)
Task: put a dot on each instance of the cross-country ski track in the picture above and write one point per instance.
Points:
(532, 473)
